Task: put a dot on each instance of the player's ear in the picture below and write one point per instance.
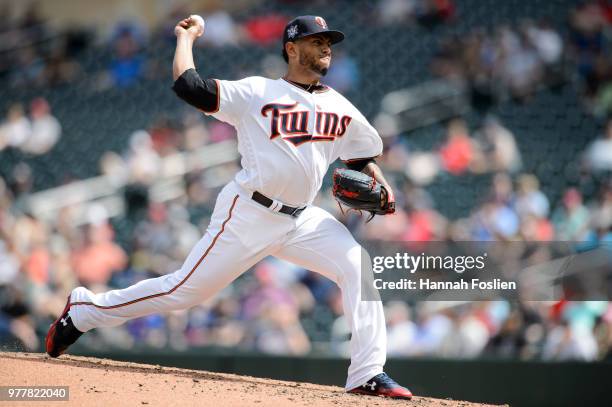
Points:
(292, 50)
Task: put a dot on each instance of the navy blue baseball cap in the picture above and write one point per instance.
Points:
(303, 26)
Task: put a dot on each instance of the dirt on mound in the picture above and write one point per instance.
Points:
(103, 382)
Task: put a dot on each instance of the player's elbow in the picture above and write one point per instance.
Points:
(201, 94)
(359, 165)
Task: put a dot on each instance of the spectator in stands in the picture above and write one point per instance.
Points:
(27, 234)
(447, 62)
(458, 151)
(274, 312)
(221, 30)
(30, 68)
(266, 29)
(98, 257)
(415, 219)
(587, 41)
(62, 277)
(423, 223)
(603, 335)
(143, 161)
(37, 260)
(470, 333)
(603, 98)
(154, 234)
(400, 329)
(422, 168)
(165, 138)
(546, 40)
(21, 187)
(496, 219)
(395, 11)
(16, 322)
(16, 129)
(195, 133)
(226, 328)
(279, 331)
(565, 342)
(435, 326)
(45, 130)
(32, 23)
(530, 200)
(61, 68)
(495, 149)
(266, 290)
(571, 218)
(114, 167)
(9, 265)
(508, 62)
(430, 13)
(586, 24)
(128, 66)
(343, 75)
(598, 155)
(510, 340)
(600, 229)
(534, 229)
(518, 67)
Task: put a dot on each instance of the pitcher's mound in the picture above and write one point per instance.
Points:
(103, 382)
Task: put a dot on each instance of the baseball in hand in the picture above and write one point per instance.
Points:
(199, 22)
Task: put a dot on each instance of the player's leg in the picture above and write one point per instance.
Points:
(213, 263)
(222, 255)
(322, 244)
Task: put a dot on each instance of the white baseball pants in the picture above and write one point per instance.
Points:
(242, 232)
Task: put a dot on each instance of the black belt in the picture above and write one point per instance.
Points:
(267, 202)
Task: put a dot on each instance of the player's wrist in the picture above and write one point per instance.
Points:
(185, 35)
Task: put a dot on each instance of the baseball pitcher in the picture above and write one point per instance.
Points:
(289, 130)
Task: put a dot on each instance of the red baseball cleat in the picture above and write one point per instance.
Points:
(383, 385)
(62, 333)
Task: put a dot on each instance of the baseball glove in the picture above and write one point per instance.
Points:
(361, 192)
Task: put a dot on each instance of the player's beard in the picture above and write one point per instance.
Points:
(311, 62)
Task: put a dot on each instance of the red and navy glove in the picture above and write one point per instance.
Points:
(361, 192)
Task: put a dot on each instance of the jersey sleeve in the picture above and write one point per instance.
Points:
(234, 99)
(361, 141)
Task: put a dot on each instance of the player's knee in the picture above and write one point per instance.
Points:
(80, 294)
(354, 263)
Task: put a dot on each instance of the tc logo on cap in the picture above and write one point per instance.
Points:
(292, 31)
(321, 22)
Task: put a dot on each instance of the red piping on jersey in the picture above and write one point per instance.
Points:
(173, 289)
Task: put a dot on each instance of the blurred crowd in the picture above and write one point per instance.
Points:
(514, 207)
(34, 54)
(428, 13)
(590, 27)
(277, 307)
(517, 60)
(511, 61)
(35, 133)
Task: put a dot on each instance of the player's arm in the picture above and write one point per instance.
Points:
(368, 166)
(186, 32)
(188, 85)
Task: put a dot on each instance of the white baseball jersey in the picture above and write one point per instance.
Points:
(288, 137)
